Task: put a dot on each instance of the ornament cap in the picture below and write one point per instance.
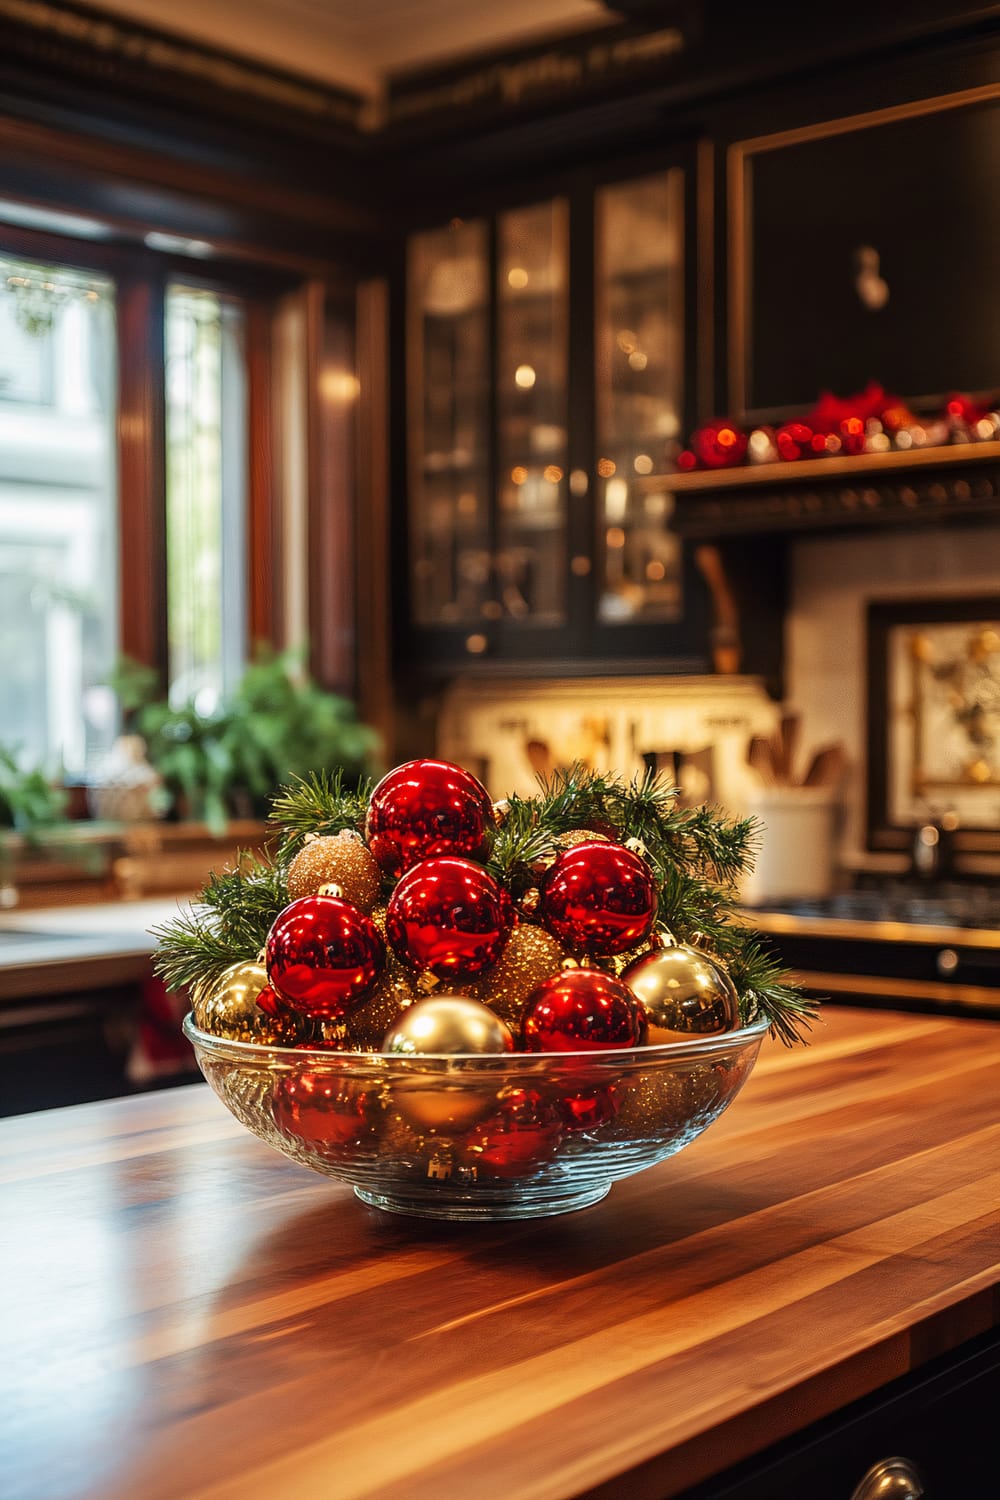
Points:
(331, 888)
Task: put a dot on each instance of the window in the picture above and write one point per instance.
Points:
(102, 371)
(206, 494)
(58, 514)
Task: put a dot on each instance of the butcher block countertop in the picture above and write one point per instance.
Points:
(186, 1314)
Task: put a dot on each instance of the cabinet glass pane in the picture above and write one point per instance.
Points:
(449, 389)
(532, 379)
(639, 281)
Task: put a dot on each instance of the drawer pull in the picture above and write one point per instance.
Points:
(891, 1479)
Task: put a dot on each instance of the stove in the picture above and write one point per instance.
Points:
(896, 944)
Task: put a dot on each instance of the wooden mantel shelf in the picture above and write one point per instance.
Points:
(871, 489)
(188, 1314)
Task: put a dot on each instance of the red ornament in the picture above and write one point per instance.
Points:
(582, 1010)
(523, 1133)
(598, 898)
(323, 957)
(324, 1110)
(425, 808)
(449, 916)
(719, 444)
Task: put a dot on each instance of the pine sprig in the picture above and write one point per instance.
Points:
(318, 803)
(765, 992)
(228, 925)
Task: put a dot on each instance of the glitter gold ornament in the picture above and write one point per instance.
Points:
(530, 955)
(574, 836)
(684, 993)
(344, 861)
(393, 993)
(241, 1007)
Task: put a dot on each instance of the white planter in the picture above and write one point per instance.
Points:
(796, 857)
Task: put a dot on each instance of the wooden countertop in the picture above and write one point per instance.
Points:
(190, 1315)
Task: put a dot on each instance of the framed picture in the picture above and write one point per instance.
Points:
(934, 720)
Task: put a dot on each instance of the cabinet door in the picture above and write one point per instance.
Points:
(449, 392)
(639, 360)
(532, 372)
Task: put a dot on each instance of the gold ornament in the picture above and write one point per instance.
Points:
(530, 955)
(574, 836)
(343, 861)
(393, 992)
(684, 993)
(452, 1024)
(449, 1024)
(229, 1008)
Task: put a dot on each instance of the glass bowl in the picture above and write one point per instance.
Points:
(513, 1136)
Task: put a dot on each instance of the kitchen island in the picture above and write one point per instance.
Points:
(187, 1314)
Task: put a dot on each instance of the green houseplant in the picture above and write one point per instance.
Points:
(275, 725)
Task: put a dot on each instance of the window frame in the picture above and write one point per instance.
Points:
(141, 277)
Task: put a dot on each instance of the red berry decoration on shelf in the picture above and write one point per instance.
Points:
(449, 917)
(523, 1133)
(324, 1110)
(719, 445)
(582, 1010)
(427, 808)
(794, 441)
(598, 898)
(324, 957)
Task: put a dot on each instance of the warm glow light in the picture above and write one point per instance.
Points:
(879, 442)
(518, 474)
(605, 467)
(655, 571)
(476, 644)
(643, 464)
(627, 341)
(467, 504)
(616, 499)
(517, 277)
(339, 385)
(552, 473)
(637, 360)
(615, 538)
(524, 376)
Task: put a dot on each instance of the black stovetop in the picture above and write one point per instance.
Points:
(954, 905)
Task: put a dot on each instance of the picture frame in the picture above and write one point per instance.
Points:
(933, 735)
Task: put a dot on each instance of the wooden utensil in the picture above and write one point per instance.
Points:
(760, 755)
(827, 767)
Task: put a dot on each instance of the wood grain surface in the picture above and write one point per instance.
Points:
(187, 1314)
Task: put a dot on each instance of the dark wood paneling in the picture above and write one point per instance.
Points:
(141, 471)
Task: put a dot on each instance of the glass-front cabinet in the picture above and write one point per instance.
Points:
(546, 349)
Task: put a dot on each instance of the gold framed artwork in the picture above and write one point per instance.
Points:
(934, 719)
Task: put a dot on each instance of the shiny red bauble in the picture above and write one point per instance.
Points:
(450, 917)
(324, 1110)
(426, 808)
(582, 1010)
(598, 898)
(323, 957)
(522, 1134)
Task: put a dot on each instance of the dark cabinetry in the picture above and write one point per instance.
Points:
(938, 1425)
(547, 344)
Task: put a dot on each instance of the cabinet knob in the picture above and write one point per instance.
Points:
(891, 1479)
(947, 961)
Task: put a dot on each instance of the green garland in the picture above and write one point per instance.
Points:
(696, 854)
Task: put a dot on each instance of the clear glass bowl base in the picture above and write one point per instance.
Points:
(475, 1138)
(471, 1210)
